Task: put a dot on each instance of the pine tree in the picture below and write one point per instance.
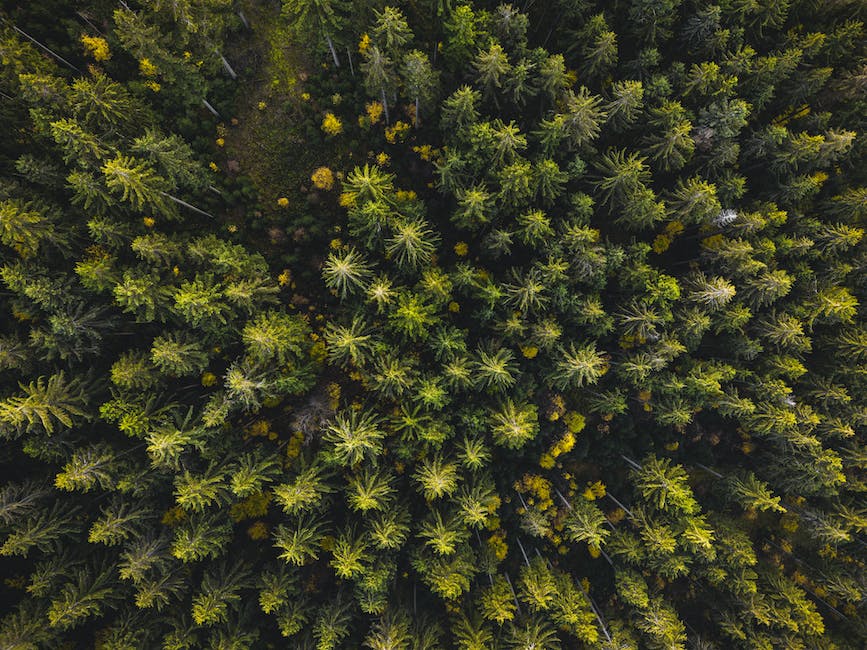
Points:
(352, 437)
(346, 273)
(419, 80)
(43, 406)
(514, 424)
(315, 18)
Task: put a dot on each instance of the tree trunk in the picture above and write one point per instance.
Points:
(187, 205)
(333, 52)
(243, 18)
(349, 56)
(385, 106)
(227, 66)
(50, 51)
(84, 17)
(417, 116)
(211, 108)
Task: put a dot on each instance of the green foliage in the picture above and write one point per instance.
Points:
(563, 347)
(512, 425)
(43, 406)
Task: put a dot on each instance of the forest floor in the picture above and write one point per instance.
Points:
(270, 142)
(266, 143)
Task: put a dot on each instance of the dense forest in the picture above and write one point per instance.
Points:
(420, 324)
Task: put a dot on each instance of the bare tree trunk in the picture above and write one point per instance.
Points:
(349, 56)
(385, 106)
(211, 108)
(50, 51)
(417, 116)
(227, 66)
(333, 52)
(84, 17)
(243, 18)
(187, 205)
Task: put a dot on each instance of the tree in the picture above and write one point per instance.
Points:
(82, 599)
(413, 243)
(661, 623)
(498, 601)
(474, 209)
(583, 118)
(532, 632)
(521, 82)
(332, 625)
(197, 492)
(528, 292)
(494, 369)
(390, 30)
(578, 367)
(436, 477)
(200, 302)
(553, 78)
(390, 528)
(201, 536)
(174, 157)
(43, 531)
(24, 228)
(368, 183)
(378, 76)
(442, 535)
(536, 586)
(352, 437)
(598, 47)
(43, 406)
(306, 492)
(627, 102)
(350, 345)
(751, 493)
(585, 523)
(471, 634)
(252, 472)
(464, 34)
(663, 485)
(276, 336)
(476, 500)
(314, 18)
(369, 490)
(390, 632)
(549, 180)
(492, 67)
(87, 468)
(622, 175)
(515, 183)
(142, 294)
(512, 425)
(460, 109)
(346, 272)
(220, 589)
(300, 543)
(119, 522)
(669, 140)
(413, 317)
(348, 555)
(419, 80)
(137, 184)
(713, 293)
(694, 201)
